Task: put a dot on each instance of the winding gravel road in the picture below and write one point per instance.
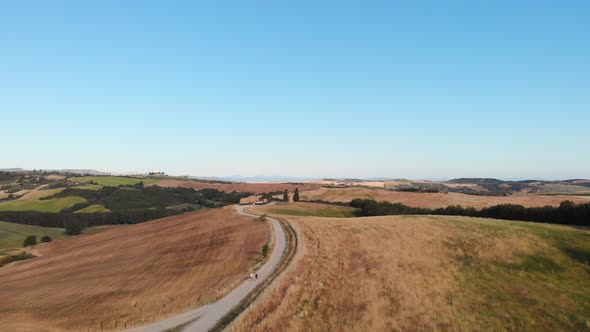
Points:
(204, 318)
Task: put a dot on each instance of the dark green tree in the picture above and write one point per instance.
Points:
(286, 196)
(72, 227)
(30, 240)
(265, 250)
(296, 195)
(46, 238)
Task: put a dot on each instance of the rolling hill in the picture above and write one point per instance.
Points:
(431, 273)
(128, 276)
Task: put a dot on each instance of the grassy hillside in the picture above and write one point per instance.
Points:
(113, 181)
(12, 235)
(89, 187)
(430, 273)
(308, 209)
(436, 200)
(33, 202)
(118, 279)
(93, 208)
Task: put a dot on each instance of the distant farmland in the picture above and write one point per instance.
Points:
(113, 181)
(308, 209)
(436, 200)
(32, 202)
(93, 209)
(129, 276)
(429, 273)
(238, 186)
(12, 235)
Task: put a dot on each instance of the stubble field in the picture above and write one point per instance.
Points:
(129, 276)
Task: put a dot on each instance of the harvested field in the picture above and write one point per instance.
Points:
(129, 276)
(428, 273)
(436, 200)
(256, 188)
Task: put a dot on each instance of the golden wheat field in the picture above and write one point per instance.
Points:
(128, 276)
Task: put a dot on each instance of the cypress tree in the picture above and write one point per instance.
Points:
(296, 195)
(286, 196)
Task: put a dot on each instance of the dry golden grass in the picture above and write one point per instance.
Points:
(306, 209)
(257, 188)
(404, 273)
(129, 276)
(436, 200)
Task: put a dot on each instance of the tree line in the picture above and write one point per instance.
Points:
(567, 212)
(128, 204)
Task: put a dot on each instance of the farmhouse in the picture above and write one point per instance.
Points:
(254, 199)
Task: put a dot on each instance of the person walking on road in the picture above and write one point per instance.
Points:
(256, 276)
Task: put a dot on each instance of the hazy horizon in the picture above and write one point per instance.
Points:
(332, 90)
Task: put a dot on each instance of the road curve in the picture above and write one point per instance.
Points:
(204, 318)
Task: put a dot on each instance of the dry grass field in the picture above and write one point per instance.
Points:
(128, 276)
(436, 200)
(434, 273)
(256, 188)
(307, 209)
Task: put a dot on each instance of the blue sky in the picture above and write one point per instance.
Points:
(416, 89)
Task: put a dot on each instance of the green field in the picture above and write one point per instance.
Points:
(312, 209)
(547, 289)
(113, 181)
(32, 202)
(12, 235)
(93, 208)
(89, 187)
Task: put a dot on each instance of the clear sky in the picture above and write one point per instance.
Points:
(415, 89)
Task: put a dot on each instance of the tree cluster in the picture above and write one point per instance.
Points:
(568, 212)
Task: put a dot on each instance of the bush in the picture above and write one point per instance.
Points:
(265, 250)
(30, 240)
(72, 228)
(46, 238)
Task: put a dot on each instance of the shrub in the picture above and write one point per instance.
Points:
(30, 240)
(46, 238)
(265, 250)
(72, 227)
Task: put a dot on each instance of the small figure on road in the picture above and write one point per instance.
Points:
(252, 276)
(256, 276)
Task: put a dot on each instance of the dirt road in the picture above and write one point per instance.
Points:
(204, 318)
